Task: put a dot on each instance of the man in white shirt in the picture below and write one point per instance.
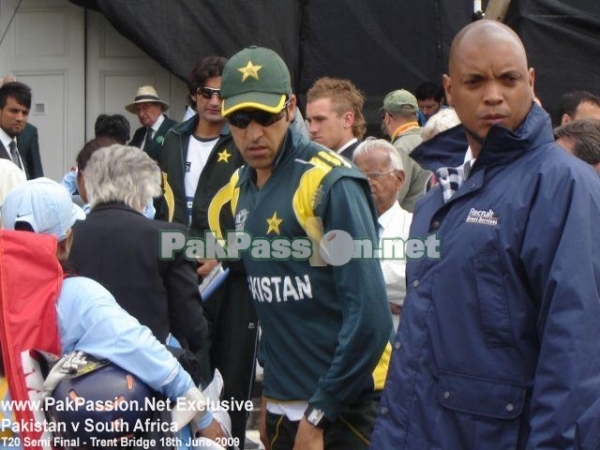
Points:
(380, 163)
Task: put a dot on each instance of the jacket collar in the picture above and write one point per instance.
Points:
(501, 145)
(113, 205)
(188, 127)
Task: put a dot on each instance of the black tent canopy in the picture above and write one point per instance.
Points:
(380, 45)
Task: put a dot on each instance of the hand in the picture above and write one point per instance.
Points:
(213, 431)
(205, 266)
(308, 437)
(262, 425)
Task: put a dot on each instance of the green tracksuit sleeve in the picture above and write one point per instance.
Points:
(360, 287)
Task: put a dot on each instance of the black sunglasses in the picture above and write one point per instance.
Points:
(208, 93)
(241, 119)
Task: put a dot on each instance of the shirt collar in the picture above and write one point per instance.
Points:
(156, 125)
(403, 128)
(385, 219)
(346, 145)
(5, 138)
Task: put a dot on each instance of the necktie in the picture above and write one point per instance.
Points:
(148, 138)
(14, 154)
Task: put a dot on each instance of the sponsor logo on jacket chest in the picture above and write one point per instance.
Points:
(488, 217)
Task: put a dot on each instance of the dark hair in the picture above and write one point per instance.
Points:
(585, 135)
(17, 90)
(427, 89)
(569, 101)
(205, 68)
(115, 126)
(90, 147)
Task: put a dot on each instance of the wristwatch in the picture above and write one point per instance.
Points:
(316, 417)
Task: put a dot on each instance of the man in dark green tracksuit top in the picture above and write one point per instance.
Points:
(324, 346)
(198, 159)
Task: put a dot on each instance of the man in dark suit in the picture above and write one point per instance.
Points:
(18, 138)
(27, 143)
(334, 115)
(150, 111)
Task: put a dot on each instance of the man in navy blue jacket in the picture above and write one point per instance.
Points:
(498, 343)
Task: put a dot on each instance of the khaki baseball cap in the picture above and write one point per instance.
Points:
(400, 101)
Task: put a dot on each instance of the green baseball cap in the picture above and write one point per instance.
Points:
(400, 101)
(255, 77)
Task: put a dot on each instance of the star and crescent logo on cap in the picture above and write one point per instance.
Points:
(250, 71)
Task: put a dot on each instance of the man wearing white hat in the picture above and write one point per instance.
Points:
(150, 111)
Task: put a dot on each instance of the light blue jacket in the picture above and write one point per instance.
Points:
(90, 320)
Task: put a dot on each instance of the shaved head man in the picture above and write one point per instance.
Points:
(497, 346)
(489, 81)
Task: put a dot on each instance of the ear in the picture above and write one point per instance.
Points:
(63, 248)
(400, 176)
(531, 74)
(348, 119)
(565, 119)
(292, 108)
(447, 82)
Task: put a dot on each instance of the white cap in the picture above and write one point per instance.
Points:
(44, 204)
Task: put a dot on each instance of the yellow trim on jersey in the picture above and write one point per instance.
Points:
(228, 193)
(169, 197)
(307, 195)
(334, 159)
(380, 372)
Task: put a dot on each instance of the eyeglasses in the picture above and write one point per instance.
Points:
(208, 93)
(241, 119)
(375, 176)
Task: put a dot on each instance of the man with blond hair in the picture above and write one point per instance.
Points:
(334, 115)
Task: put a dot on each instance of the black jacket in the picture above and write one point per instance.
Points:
(119, 248)
(155, 147)
(224, 159)
(27, 143)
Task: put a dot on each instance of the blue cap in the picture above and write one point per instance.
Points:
(44, 204)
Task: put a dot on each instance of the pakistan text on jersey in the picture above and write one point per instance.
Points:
(280, 289)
